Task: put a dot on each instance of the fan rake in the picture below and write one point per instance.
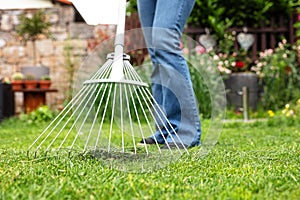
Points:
(109, 117)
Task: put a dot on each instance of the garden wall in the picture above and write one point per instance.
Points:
(68, 45)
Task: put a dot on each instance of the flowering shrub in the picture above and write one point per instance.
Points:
(278, 69)
(224, 57)
(289, 114)
(278, 61)
(225, 63)
(279, 75)
(230, 63)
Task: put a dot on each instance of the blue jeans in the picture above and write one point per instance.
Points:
(163, 23)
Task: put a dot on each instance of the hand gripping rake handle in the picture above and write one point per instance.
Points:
(117, 66)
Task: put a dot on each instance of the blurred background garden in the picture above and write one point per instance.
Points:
(254, 46)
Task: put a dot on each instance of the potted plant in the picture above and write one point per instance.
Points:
(30, 29)
(17, 81)
(45, 82)
(30, 82)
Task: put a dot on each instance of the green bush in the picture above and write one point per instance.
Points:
(42, 114)
(207, 83)
(201, 92)
(288, 115)
(277, 69)
(297, 24)
(218, 15)
(279, 75)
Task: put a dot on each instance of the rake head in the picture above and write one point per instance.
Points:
(107, 119)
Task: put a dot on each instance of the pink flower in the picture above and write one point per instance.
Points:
(185, 51)
(261, 54)
(270, 51)
(200, 49)
(284, 41)
(181, 45)
(216, 57)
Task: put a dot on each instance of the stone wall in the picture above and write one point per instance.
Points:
(70, 43)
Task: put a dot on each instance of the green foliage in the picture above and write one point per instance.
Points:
(209, 14)
(29, 77)
(207, 84)
(70, 65)
(18, 76)
(218, 15)
(131, 7)
(297, 24)
(288, 115)
(279, 75)
(30, 28)
(202, 93)
(233, 114)
(42, 114)
(277, 69)
(46, 78)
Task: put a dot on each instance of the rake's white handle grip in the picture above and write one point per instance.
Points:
(121, 23)
(117, 66)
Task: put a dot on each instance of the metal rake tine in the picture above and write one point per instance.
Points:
(155, 121)
(137, 116)
(95, 87)
(165, 117)
(161, 120)
(105, 70)
(101, 74)
(105, 73)
(121, 113)
(112, 117)
(130, 119)
(97, 112)
(131, 76)
(103, 116)
(91, 107)
(135, 76)
(102, 70)
(146, 118)
(68, 108)
(65, 124)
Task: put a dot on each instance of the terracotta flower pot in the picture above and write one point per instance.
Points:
(45, 84)
(17, 85)
(31, 84)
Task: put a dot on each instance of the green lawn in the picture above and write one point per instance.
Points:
(250, 161)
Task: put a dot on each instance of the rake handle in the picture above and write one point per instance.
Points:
(117, 66)
(119, 40)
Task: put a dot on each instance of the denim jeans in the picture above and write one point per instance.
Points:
(163, 22)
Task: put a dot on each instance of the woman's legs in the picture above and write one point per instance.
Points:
(171, 82)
